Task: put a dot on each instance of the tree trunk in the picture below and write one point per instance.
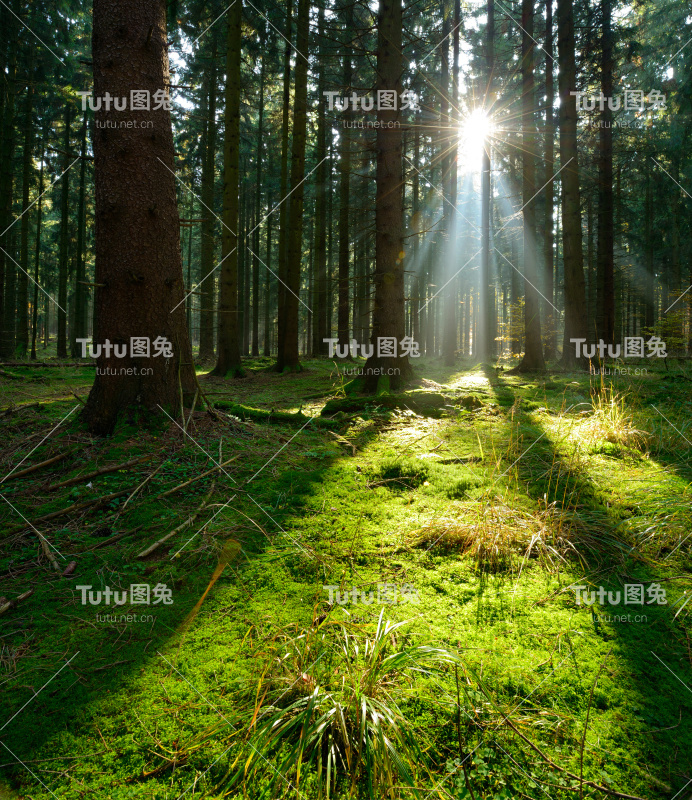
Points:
(37, 253)
(267, 286)
(228, 345)
(64, 236)
(288, 358)
(80, 292)
(137, 245)
(258, 208)
(485, 347)
(283, 208)
(604, 258)
(573, 258)
(22, 345)
(548, 236)
(7, 268)
(388, 315)
(207, 276)
(533, 345)
(320, 332)
(344, 202)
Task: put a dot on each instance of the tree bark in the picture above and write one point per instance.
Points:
(80, 293)
(64, 236)
(258, 207)
(7, 268)
(22, 345)
(283, 208)
(320, 332)
(37, 253)
(573, 259)
(485, 348)
(344, 202)
(288, 358)
(207, 277)
(137, 244)
(228, 345)
(533, 346)
(548, 236)
(604, 258)
(383, 373)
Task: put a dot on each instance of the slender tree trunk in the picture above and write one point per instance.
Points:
(344, 204)
(207, 276)
(245, 228)
(64, 236)
(7, 268)
(258, 209)
(388, 315)
(573, 259)
(283, 208)
(606, 297)
(80, 293)
(228, 345)
(137, 246)
(320, 333)
(591, 272)
(485, 347)
(23, 276)
(533, 345)
(449, 331)
(649, 297)
(267, 286)
(188, 286)
(37, 253)
(548, 236)
(288, 358)
(415, 230)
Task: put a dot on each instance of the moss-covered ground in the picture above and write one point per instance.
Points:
(472, 524)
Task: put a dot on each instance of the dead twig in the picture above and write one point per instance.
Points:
(193, 480)
(13, 603)
(96, 473)
(180, 527)
(68, 510)
(37, 467)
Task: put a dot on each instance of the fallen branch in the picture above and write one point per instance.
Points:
(426, 403)
(37, 467)
(13, 603)
(193, 480)
(590, 784)
(110, 540)
(144, 483)
(68, 510)
(95, 474)
(276, 417)
(11, 376)
(180, 527)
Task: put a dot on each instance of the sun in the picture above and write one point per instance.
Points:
(475, 131)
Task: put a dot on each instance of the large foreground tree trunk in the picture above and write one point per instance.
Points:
(138, 264)
(388, 314)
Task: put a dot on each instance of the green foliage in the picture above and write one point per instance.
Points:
(346, 722)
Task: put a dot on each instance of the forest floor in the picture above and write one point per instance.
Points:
(470, 522)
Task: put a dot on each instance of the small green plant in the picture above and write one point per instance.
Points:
(336, 713)
(612, 421)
